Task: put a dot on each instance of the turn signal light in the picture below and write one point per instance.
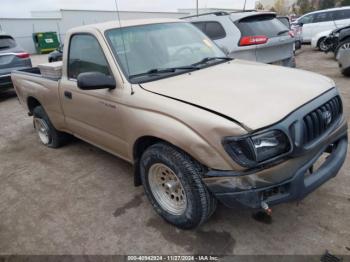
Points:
(253, 40)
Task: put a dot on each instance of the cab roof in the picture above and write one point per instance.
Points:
(124, 23)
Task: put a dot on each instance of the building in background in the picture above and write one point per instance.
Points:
(61, 21)
(219, 5)
(193, 11)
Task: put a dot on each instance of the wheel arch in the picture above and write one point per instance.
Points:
(32, 103)
(141, 145)
(345, 38)
(319, 40)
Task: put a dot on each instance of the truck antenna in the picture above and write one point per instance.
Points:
(124, 46)
(245, 2)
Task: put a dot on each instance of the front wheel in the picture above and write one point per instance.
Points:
(173, 184)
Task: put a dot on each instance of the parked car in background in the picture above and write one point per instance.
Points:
(319, 40)
(323, 20)
(251, 35)
(344, 61)
(296, 31)
(198, 126)
(56, 55)
(12, 57)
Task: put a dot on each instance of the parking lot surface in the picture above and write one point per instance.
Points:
(81, 200)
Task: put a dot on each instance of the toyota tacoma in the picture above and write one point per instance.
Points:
(198, 127)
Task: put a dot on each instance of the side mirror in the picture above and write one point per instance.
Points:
(95, 80)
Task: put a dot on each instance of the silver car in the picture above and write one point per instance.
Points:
(344, 61)
(250, 35)
(12, 57)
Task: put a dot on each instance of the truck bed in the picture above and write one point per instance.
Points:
(31, 85)
(34, 71)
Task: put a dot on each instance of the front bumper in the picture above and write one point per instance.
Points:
(287, 180)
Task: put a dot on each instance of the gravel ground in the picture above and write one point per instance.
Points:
(81, 200)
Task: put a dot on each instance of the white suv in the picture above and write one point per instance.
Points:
(250, 35)
(323, 20)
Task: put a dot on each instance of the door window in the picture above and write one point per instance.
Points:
(200, 26)
(214, 30)
(342, 14)
(86, 55)
(322, 17)
(306, 19)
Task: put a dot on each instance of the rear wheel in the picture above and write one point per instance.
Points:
(47, 133)
(173, 184)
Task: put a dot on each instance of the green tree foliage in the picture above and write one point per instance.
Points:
(327, 4)
(259, 6)
(305, 6)
(280, 7)
(345, 2)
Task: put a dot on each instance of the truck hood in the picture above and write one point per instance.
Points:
(254, 94)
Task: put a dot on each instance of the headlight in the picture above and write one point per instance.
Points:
(256, 149)
(336, 35)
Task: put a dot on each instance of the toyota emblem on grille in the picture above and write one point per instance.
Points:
(327, 117)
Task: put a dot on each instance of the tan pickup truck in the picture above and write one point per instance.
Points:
(198, 126)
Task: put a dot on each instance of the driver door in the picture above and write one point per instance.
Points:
(93, 115)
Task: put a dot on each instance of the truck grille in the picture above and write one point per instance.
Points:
(319, 120)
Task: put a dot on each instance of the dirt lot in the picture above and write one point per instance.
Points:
(81, 200)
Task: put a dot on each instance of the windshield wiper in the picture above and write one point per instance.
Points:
(156, 71)
(282, 32)
(208, 59)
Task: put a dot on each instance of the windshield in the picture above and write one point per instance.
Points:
(141, 49)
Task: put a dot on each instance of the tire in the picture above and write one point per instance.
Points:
(47, 133)
(161, 165)
(346, 72)
(321, 45)
(344, 44)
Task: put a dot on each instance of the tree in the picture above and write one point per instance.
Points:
(327, 4)
(305, 6)
(294, 9)
(345, 2)
(259, 6)
(280, 7)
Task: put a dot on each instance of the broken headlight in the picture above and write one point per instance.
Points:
(256, 149)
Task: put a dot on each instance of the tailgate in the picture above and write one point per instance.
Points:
(275, 50)
(278, 44)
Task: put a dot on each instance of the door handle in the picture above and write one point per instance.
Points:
(68, 94)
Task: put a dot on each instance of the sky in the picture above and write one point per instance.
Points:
(22, 8)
